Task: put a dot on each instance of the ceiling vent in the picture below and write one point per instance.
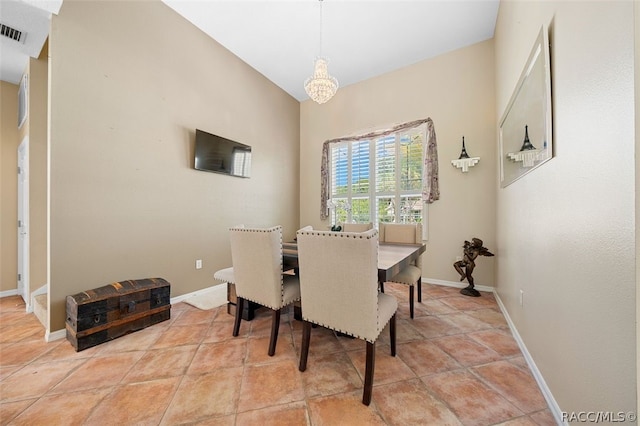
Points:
(12, 33)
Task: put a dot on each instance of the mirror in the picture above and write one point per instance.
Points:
(525, 127)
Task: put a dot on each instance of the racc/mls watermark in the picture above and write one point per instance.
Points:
(599, 416)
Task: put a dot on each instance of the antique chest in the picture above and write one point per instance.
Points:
(105, 313)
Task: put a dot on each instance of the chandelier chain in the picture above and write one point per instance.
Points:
(321, 27)
(321, 86)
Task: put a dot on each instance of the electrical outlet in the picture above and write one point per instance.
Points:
(521, 297)
(199, 264)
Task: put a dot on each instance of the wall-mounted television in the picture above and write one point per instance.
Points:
(221, 155)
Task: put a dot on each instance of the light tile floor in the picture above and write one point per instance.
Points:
(457, 363)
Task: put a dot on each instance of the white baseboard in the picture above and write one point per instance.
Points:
(28, 306)
(55, 335)
(218, 288)
(32, 305)
(7, 293)
(42, 290)
(456, 284)
(546, 392)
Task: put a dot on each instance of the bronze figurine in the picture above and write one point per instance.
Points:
(472, 250)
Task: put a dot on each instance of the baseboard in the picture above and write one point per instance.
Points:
(42, 290)
(8, 293)
(55, 335)
(216, 288)
(546, 392)
(28, 306)
(456, 284)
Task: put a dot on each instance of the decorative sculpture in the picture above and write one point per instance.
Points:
(463, 153)
(464, 161)
(526, 144)
(465, 266)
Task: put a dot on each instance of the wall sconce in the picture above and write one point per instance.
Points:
(464, 161)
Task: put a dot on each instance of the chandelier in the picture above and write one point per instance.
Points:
(321, 86)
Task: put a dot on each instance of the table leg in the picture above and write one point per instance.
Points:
(249, 311)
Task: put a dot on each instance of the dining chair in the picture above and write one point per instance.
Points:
(225, 275)
(356, 227)
(339, 291)
(256, 254)
(411, 275)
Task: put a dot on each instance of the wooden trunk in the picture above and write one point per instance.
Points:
(105, 313)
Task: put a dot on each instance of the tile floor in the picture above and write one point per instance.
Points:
(457, 364)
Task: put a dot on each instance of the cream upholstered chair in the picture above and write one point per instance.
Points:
(257, 269)
(225, 275)
(339, 291)
(356, 227)
(405, 233)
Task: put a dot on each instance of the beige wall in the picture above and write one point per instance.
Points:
(565, 232)
(37, 128)
(636, 64)
(457, 91)
(8, 186)
(126, 202)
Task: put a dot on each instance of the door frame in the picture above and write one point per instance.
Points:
(24, 289)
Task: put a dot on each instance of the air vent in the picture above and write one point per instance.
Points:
(12, 33)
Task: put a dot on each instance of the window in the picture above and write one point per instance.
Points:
(378, 179)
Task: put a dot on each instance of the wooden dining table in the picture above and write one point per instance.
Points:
(392, 258)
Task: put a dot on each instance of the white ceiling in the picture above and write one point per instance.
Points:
(31, 18)
(361, 38)
(281, 38)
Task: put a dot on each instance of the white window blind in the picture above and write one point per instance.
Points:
(379, 180)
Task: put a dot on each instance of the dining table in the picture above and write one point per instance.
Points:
(392, 258)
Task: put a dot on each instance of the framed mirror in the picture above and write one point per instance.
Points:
(525, 128)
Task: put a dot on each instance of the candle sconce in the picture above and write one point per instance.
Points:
(464, 161)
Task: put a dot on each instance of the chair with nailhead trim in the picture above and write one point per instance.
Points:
(257, 270)
(411, 275)
(339, 291)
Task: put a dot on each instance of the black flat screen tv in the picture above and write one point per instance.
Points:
(221, 155)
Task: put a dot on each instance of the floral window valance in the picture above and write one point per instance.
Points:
(430, 186)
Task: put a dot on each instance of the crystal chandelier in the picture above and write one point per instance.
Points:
(321, 86)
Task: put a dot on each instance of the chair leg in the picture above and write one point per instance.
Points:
(236, 323)
(304, 350)
(411, 297)
(275, 324)
(392, 334)
(368, 375)
(420, 290)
